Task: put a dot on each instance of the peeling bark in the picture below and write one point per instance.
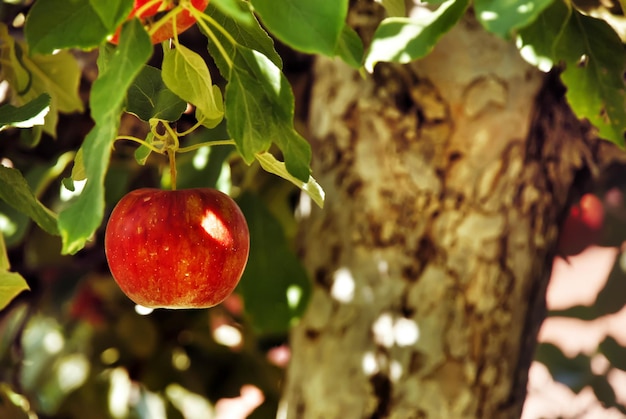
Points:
(446, 180)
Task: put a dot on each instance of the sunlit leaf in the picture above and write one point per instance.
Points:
(308, 26)
(502, 17)
(11, 283)
(238, 10)
(402, 40)
(186, 74)
(394, 8)
(311, 187)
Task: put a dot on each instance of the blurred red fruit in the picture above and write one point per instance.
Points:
(147, 15)
(582, 227)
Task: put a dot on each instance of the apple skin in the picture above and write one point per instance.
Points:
(582, 227)
(183, 21)
(177, 249)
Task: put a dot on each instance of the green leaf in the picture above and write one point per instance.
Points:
(15, 191)
(238, 10)
(143, 152)
(112, 13)
(274, 276)
(503, 17)
(586, 47)
(251, 36)
(394, 8)
(79, 221)
(311, 187)
(402, 40)
(26, 116)
(32, 75)
(594, 59)
(148, 97)
(13, 69)
(186, 74)
(62, 24)
(537, 40)
(5, 264)
(259, 103)
(350, 47)
(307, 26)
(11, 285)
(259, 110)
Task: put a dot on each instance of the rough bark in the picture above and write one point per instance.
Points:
(446, 180)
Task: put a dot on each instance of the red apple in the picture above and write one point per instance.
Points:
(582, 227)
(184, 20)
(177, 249)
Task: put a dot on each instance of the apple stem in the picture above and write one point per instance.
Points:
(171, 154)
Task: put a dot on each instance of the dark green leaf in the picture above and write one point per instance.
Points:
(350, 47)
(274, 286)
(60, 24)
(538, 39)
(503, 17)
(26, 116)
(594, 57)
(308, 26)
(78, 222)
(259, 103)
(148, 97)
(15, 191)
(259, 110)
(402, 40)
(252, 36)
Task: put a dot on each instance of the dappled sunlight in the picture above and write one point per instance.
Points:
(294, 296)
(191, 405)
(343, 285)
(389, 331)
(119, 392)
(53, 341)
(72, 372)
(180, 359)
(227, 335)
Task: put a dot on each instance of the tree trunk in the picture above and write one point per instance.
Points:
(446, 180)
